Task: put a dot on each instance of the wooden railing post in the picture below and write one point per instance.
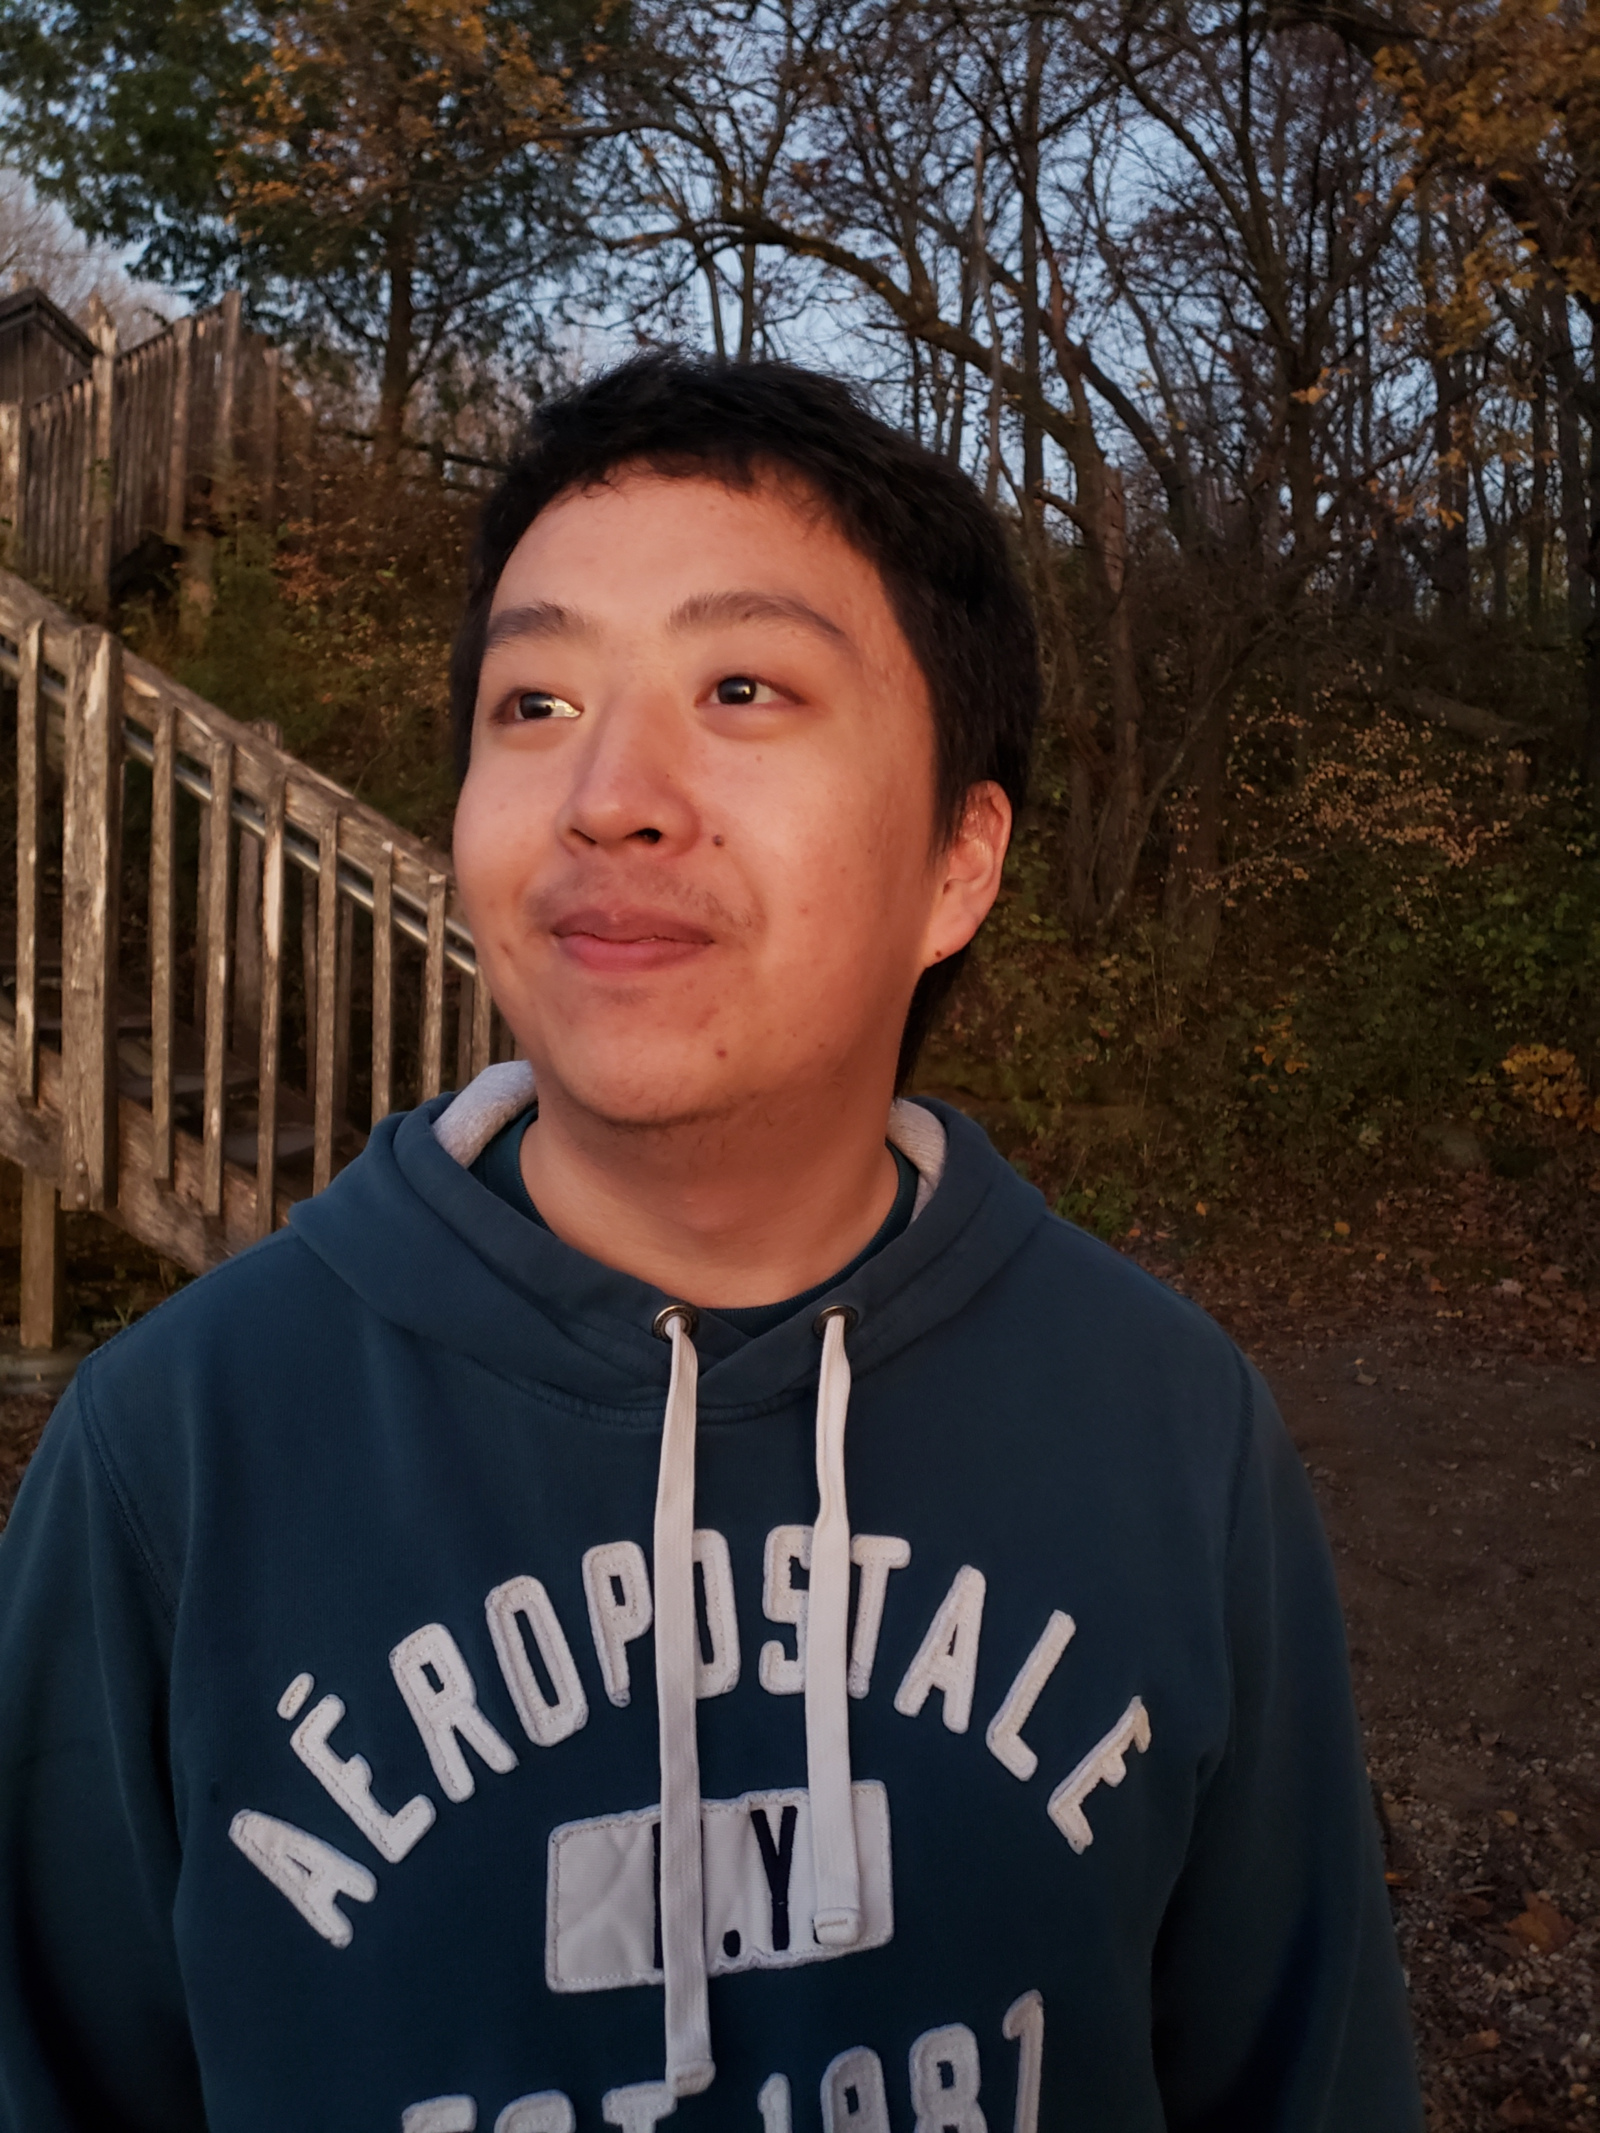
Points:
(43, 1264)
(91, 856)
(227, 404)
(178, 448)
(217, 946)
(13, 483)
(30, 775)
(271, 388)
(102, 473)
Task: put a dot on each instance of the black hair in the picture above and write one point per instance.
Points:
(942, 554)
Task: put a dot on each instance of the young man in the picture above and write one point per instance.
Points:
(676, 1590)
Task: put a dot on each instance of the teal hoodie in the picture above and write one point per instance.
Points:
(437, 1692)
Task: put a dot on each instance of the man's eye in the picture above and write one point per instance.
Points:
(539, 703)
(742, 689)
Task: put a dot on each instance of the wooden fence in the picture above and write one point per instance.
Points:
(181, 430)
(226, 966)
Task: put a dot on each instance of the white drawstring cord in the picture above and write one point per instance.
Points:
(682, 1899)
(837, 1864)
(833, 1823)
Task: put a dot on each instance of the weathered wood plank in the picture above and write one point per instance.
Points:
(13, 484)
(271, 388)
(102, 493)
(326, 1006)
(227, 397)
(163, 866)
(43, 1262)
(177, 511)
(433, 993)
(272, 883)
(217, 944)
(30, 771)
(92, 844)
(383, 984)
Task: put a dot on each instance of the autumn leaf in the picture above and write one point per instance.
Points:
(1541, 1926)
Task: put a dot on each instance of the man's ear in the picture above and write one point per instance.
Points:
(968, 873)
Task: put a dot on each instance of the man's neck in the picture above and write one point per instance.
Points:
(729, 1211)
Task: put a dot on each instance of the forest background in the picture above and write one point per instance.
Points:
(1271, 328)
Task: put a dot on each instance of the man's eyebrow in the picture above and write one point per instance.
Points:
(539, 618)
(753, 606)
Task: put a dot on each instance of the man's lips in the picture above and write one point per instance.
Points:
(621, 941)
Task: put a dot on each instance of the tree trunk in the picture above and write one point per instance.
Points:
(1589, 768)
(400, 334)
(1539, 502)
(1032, 433)
(1569, 454)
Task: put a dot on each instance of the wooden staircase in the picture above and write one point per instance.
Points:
(226, 967)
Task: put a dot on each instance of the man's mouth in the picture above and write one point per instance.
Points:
(619, 942)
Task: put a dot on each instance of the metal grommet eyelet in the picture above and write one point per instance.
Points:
(686, 1315)
(846, 1313)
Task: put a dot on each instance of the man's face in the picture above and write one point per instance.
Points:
(695, 840)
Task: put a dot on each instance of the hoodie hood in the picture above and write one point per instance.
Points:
(395, 1224)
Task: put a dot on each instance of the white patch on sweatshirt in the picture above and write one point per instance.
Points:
(348, 1779)
(638, 2108)
(524, 1599)
(440, 2114)
(852, 2094)
(1105, 1764)
(945, 2080)
(616, 1584)
(1024, 2023)
(602, 1923)
(784, 1601)
(437, 1685)
(874, 1555)
(310, 1873)
(772, 2102)
(716, 1675)
(548, 2112)
(1004, 1736)
(947, 1659)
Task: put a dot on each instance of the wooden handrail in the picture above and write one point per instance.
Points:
(146, 1111)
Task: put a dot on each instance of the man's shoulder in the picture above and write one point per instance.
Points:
(1106, 1297)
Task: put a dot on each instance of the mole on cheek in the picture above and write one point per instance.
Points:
(716, 840)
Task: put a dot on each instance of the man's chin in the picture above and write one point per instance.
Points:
(645, 1096)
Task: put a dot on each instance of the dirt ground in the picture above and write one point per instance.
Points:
(1461, 1491)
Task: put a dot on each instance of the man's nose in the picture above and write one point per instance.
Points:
(629, 784)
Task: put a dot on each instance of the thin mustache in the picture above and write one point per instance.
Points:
(683, 900)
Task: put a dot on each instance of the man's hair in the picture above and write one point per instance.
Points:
(941, 552)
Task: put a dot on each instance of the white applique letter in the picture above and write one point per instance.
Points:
(852, 2094)
(434, 1679)
(544, 1723)
(1105, 1764)
(617, 1586)
(783, 1601)
(310, 1873)
(548, 2112)
(948, 1657)
(639, 2108)
(349, 1781)
(1004, 1736)
(716, 1675)
(773, 2104)
(944, 2081)
(1024, 2024)
(874, 1555)
(442, 2114)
